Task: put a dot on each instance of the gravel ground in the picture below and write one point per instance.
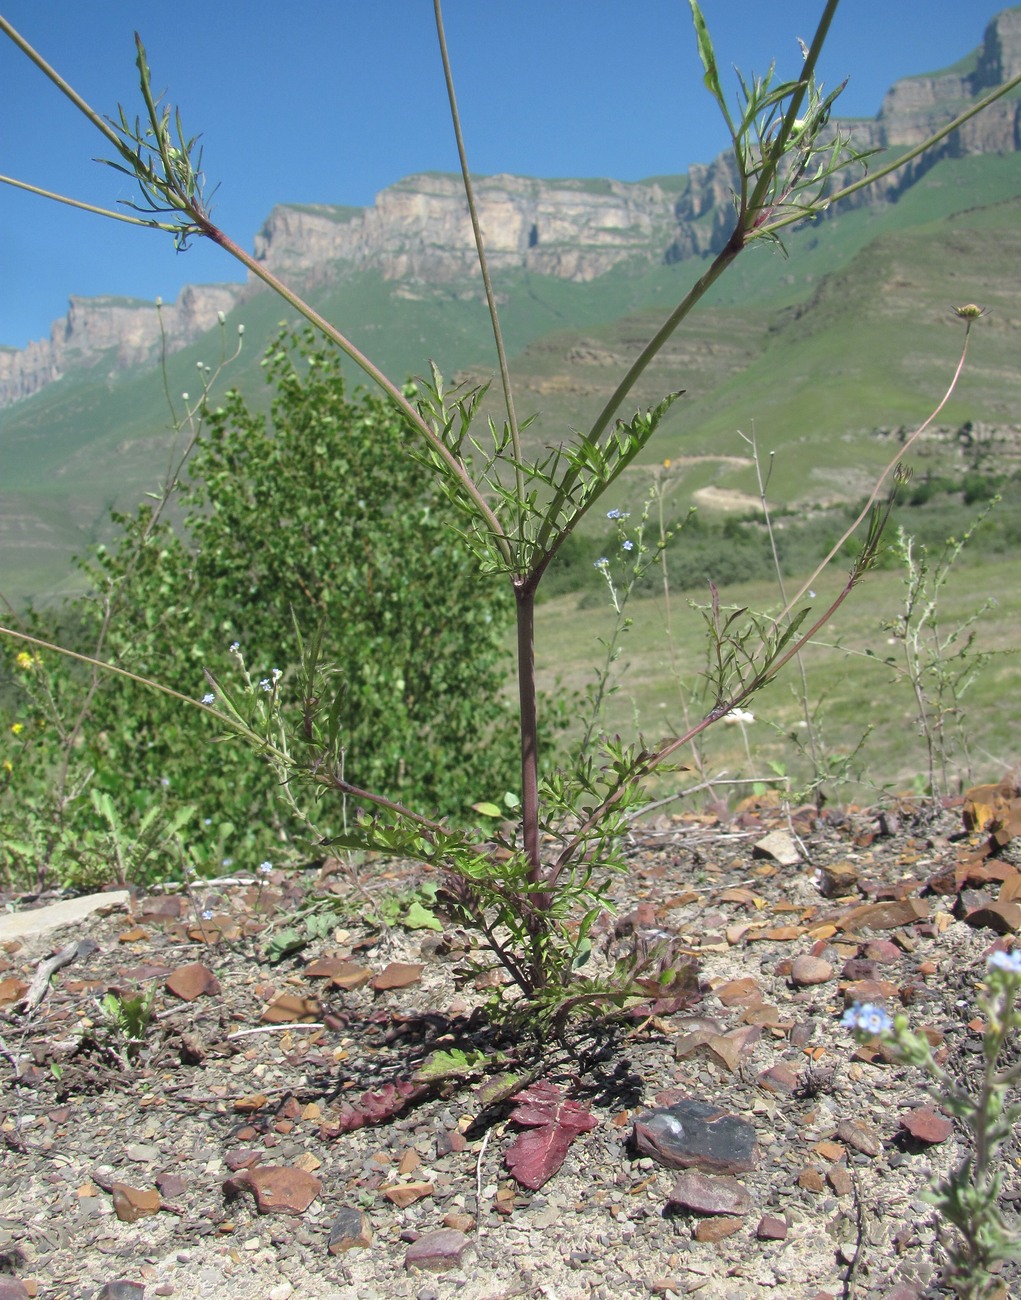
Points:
(151, 1176)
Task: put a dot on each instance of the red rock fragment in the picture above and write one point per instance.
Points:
(925, 1125)
(839, 1178)
(780, 1078)
(405, 1194)
(704, 1194)
(806, 970)
(278, 1189)
(131, 1203)
(770, 1228)
(437, 1252)
(1004, 918)
(192, 981)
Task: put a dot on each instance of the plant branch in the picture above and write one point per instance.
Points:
(480, 248)
(903, 159)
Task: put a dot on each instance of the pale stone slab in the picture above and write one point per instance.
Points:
(68, 911)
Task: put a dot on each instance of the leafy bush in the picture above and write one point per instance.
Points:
(316, 517)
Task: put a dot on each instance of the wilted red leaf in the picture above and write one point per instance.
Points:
(374, 1107)
(552, 1123)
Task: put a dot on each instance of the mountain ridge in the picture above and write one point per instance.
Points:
(417, 231)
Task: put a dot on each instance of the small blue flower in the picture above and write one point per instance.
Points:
(617, 514)
(164, 781)
(1006, 961)
(866, 1018)
(601, 563)
(228, 862)
(208, 698)
(266, 684)
(628, 545)
(234, 647)
(265, 867)
(207, 915)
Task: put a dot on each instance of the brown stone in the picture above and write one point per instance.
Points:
(278, 1189)
(291, 1008)
(703, 1194)
(131, 1203)
(437, 1252)
(807, 970)
(771, 1228)
(839, 1178)
(398, 975)
(716, 1229)
(861, 1136)
(350, 1230)
(192, 981)
(811, 1180)
(925, 1125)
(404, 1194)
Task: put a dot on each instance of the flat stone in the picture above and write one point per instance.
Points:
(121, 1289)
(68, 911)
(142, 1153)
(397, 975)
(807, 970)
(12, 1289)
(278, 1189)
(705, 1194)
(437, 1252)
(925, 1125)
(192, 981)
(350, 1230)
(861, 1136)
(770, 1228)
(131, 1203)
(811, 1180)
(717, 1229)
(291, 1008)
(779, 846)
(695, 1135)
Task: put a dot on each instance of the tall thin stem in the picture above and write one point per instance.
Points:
(480, 248)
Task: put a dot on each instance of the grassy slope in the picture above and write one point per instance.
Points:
(658, 672)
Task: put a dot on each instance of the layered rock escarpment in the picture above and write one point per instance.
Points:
(418, 231)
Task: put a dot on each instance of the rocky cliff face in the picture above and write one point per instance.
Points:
(117, 332)
(419, 229)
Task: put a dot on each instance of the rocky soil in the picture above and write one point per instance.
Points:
(742, 1144)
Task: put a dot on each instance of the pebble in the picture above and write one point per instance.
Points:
(807, 970)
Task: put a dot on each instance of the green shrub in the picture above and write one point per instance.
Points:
(315, 517)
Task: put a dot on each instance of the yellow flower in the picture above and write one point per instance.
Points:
(24, 660)
(7, 765)
(970, 311)
(17, 728)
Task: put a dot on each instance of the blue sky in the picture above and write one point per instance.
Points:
(330, 102)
